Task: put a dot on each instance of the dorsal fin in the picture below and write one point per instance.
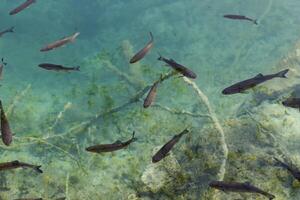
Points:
(247, 183)
(259, 75)
(117, 142)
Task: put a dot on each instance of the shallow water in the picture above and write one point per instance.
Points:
(55, 116)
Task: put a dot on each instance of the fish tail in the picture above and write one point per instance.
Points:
(282, 74)
(77, 68)
(133, 136)
(151, 36)
(11, 29)
(159, 56)
(255, 21)
(37, 168)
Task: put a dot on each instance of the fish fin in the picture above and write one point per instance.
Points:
(159, 56)
(117, 142)
(133, 137)
(77, 68)
(11, 29)
(282, 74)
(255, 21)
(151, 36)
(259, 75)
(37, 168)
(247, 183)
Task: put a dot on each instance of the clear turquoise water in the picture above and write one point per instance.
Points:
(192, 32)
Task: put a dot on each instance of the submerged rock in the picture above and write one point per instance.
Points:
(161, 174)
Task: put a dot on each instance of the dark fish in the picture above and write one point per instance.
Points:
(240, 87)
(6, 133)
(101, 148)
(9, 30)
(163, 152)
(240, 17)
(239, 187)
(22, 7)
(61, 42)
(17, 164)
(1, 67)
(294, 171)
(55, 67)
(292, 102)
(141, 54)
(178, 67)
(151, 95)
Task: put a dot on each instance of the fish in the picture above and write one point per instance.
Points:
(239, 187)
(21, 7)
(164, 151)
(60, 42)
(178, 67)
(293, 170)
(141, 54)
(17, 164)
(241, 17)
(292, 102)
(240, 87)
(6, 133)
(102, 148)
(9, 30)
(55, 67)
(2, 66)
(151, 95)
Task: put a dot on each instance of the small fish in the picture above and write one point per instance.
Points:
(141, 54)
(17, 164)
(6, 133)
(22, 7)
(60, 42)
(164, 151)
(55, 67)
(9, 30)
(240, 17)
(239, 187)
(101, 148)
(2, 66)
(240, 87)
(292, 102)
(294, 171)
(151, 95)
(178, 67)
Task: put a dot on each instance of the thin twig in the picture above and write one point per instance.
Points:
(204, 99)
(180, 112)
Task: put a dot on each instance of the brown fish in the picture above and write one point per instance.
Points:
(151, 95)
(178, 67)
(22, 7)
(55, 67)
(141, 54)
(9, 30)
(101, 148)
(1, 67)
(17, 164)
(6, 133)
(61, 42)
(240, 87)
(292, 102)
(163, 152)
(240, 17)
(239, 187)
